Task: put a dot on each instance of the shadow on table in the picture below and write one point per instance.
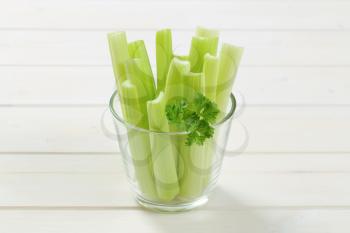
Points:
(223, 213)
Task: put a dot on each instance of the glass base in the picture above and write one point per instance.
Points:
(176, 207)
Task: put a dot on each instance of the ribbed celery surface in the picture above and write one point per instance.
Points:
(163, 151)
(230, 57)
(139, 142)
(165, 168)
(164, 55)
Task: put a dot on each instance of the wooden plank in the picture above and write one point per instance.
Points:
(239, 15)
(111, 221)
(262, 48)
(112, 163)
(71, 163)
(234, 190)
(270, 129)
(94, 85)
(53, 129)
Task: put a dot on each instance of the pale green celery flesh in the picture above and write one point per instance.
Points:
(175, 79)
(229, 60)
(164, 56)
(173, 90)
(144, 82)
(139, 143)
(205, 32)
(163, 157)
(198, 158)
(192, 85)
(199, 47)
(118, 47)
(182, 57)
(210, 74)
(193, 158)
(137, 50)
(180, 170)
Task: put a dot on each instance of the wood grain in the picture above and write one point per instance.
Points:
(226, 15)
(235, 190)
(94, 85)
(112, 163)
(89, 48)
(271, 129)
(111, 221)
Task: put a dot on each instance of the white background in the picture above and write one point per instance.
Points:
(58, 173)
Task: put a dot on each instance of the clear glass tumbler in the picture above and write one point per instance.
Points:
(166, 174)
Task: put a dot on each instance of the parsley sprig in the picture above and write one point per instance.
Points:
(195, 117)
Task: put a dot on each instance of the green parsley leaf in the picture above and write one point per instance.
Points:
(195, 117)
(205, 108)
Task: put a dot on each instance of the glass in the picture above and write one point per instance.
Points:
(166, 174)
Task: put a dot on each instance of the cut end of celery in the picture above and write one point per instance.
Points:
(206, 32)
(119, 53)
(181, 57)
(175, 79)
(230, 57)
(156, 114)
(199, 47)
(163, 156)
(164, 55)
(210, 73)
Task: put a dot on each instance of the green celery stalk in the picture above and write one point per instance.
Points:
(137, 50)
(193, 158)
(118, 47)
(175, 79)
(138, 141)
(164, 55)
(197, 158)
(199, 47)
(143, 81)
(192, 85)
(230, 57)
(210, 73)
(205, 32)
(204, 159)
(164, 164)
(182, 57)
(174, 87)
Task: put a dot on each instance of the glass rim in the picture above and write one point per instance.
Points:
(119, 118)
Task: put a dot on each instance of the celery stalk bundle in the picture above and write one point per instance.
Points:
(164, 163)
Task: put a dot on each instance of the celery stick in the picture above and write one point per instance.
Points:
(139, 80)
(175, 79)
(164, 164)
(118, 47)
(197, 159)
(174, 89)
(138, 50)
(182, 57)
(134, 68)
(203, 157)
(199, 47)
(139, 143)
(192, 85)
(210, 73)
(230, 57)
(192, 157)
(205, 32)
(164, 55)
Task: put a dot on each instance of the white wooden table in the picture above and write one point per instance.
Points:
(58, 173)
